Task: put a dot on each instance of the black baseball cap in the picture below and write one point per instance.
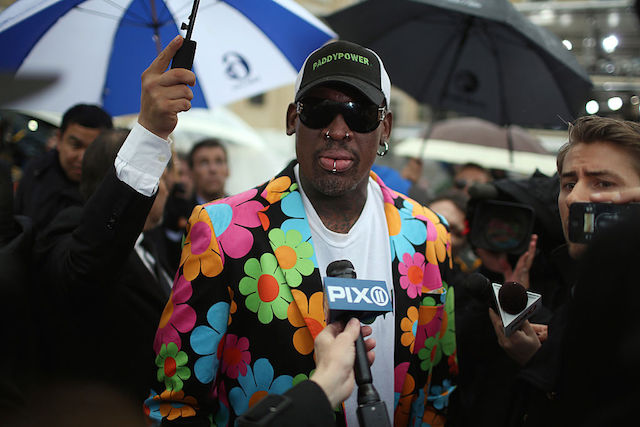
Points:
(349, 63)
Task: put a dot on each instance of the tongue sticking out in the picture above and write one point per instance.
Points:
(339, 165)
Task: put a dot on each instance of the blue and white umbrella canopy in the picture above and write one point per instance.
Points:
(99, 48)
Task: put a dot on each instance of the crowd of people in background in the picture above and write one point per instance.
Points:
(108, 233)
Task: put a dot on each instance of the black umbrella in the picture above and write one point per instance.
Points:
(479, 57)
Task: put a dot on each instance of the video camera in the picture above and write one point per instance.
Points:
(501, 226)
(503, 214)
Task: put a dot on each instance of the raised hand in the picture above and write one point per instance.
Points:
(165, 93)
(520, 272)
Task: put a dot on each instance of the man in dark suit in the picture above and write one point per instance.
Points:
(92, 262)
(50, 182)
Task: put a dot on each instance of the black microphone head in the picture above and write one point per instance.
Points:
(341, 268)
(483, 191)
(513, 297)
(477, 285)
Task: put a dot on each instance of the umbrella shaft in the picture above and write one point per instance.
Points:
(154, 20)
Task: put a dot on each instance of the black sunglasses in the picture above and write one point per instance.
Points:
(317, 113)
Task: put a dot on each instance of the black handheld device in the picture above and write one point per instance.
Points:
(184, 56)
(587, 219)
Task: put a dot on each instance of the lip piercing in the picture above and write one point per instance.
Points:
(334, 167)
(347, 135)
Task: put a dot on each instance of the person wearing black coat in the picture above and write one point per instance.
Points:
(50, 182)
(599, 164)
(16, 242)
(89, 264)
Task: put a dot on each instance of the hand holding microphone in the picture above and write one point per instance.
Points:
(510, 305)
(348, 297)
(335, 354)
(521, 345)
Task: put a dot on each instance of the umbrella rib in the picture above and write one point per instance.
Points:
(116, 18)
(157, 21)
(103, 14)
(467, 24)
(123, 9)
(504, 116)
(107, 15)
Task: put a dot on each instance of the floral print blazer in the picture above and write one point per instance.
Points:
(247, 302)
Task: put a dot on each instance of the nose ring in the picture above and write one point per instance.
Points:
(347, 135)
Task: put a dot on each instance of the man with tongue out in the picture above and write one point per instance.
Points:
(247, 301)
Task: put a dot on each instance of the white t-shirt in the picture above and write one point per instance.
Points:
(366, 245)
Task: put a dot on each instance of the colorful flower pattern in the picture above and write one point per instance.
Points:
(231, 219)
(236, 356)
(248, 263)
(205, 340)
(176, 317)
(200, 251)
(264, 286)
(234, 306)
(439, 394)
(430, 354)
(293, 208)
(309, 317)
(409, 326)
(411, 273)
(170, 405)
(278, 188)
(171, 366)
(405, 231)
(293, 255)
(256, 384)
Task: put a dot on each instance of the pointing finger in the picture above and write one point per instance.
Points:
(164, 58)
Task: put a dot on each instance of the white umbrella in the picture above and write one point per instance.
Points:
(489, 157)
(99, 48)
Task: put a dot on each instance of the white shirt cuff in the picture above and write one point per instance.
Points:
(142, 160)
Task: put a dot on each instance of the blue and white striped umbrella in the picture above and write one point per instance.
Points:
(99, 48)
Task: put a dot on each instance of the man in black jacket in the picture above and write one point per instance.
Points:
(92, 261)
(600, 163)
(50, 182)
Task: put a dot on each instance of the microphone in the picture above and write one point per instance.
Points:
(479, 286)
(346, 297)
(512, 297)
(511, 300)
(483, 191)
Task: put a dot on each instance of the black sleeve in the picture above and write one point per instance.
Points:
(90, 244)
(305, 404)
